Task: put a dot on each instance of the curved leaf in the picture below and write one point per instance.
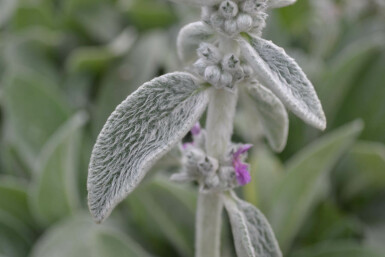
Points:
(280, 3)
(114, 87)
(150, 206)
(280, 73)
(16, 238)
(79, 237)
(253, 236)
(149, 14)
(34, 109)
(14, 200)
(305, 182)
(266, 172)
(346, 72)
(362, 172)
(199, 2)
(272, 114)
(189, 38)
(337, 249)
(54, 193)
(7, 8)
(141, 130)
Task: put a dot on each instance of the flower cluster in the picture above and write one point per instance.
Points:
(213, 174)
(233, 17)
(218, 70)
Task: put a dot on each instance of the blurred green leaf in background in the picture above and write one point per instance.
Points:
(66, 64)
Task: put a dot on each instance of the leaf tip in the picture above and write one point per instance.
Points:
(322, 122)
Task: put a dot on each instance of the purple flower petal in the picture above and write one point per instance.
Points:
(241, 169)
(241, 150)
(187, 145)
(196, 130)
(242, 173)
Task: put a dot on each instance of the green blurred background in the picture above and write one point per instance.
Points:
(66, 64)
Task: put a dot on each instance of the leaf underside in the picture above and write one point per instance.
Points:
(140, 131)
(198, 2)
(272, 114)
(282, 75)
(280, 3)
(253, 236)
(189, 38)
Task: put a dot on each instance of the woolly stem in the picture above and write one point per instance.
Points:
(219, 127)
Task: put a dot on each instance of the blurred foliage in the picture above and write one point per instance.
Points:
(66, 64)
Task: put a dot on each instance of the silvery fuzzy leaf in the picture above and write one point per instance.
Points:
(282, 75)
(7, 8)
(280, 3)
(189, 38)
(199, 2)
(253, 236)
(141, 130)
(272, 114)
(182, 177)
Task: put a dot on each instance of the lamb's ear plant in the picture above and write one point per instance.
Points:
(223, 53)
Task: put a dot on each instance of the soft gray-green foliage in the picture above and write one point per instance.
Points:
(141, 130)
(80, 237)
(280, 3)
(198, 2)
(189, 38)
(7, 7)
(253, 236)
(272, 115)
(332, 40)
(282, 75)
(57, 169)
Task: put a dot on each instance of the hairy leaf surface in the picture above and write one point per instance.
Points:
(280, 73)
(280, 3)
(253, 236)
(272, 114)
(7, 7)
(199, 2)
(141, 130)
(189, 38)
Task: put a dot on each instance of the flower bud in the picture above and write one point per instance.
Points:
(247, 70)
(226, 78)
(200, 66)
(231, 26)
(253, 6)
(244, 22)
(227, 176)
(209, 52)
(230, 62)
(208, 166)
(193, 156)
(238, 75)
(206, 13)
(259, 22)
(228, 9)
(211, 182)
(216, 20)
(213, 74)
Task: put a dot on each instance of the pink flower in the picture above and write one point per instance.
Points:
(241, 168)
(196, 130)
(187, 145)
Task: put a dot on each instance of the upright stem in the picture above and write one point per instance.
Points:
(219, 127)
